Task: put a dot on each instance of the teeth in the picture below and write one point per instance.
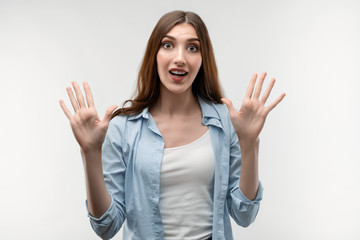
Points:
(177, 72)
(181, 73)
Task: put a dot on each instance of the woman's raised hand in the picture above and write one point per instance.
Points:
(88, 129)
(250, 119)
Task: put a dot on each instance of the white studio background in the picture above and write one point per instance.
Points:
(309, 156)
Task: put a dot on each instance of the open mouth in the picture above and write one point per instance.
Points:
(178, 73)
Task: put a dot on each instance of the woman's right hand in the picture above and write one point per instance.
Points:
(88, 129)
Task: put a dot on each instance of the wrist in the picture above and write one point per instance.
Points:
(90, 151)
(249, 143)
(91, 156)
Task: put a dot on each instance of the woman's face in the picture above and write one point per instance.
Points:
(179, 59)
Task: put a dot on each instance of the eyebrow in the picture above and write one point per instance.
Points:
(189, 40)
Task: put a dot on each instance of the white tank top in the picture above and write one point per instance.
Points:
(186, 190)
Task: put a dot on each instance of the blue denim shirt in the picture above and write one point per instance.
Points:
(132, 154)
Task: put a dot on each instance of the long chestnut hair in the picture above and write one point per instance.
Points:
(206, 84)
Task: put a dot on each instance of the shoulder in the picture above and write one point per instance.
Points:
(118, 122)
(117, 126)
(121, 121)
(221, 109)
(217, 110)
(224, 116)
(126, 126)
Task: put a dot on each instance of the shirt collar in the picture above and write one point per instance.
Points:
(144, 114)
(208, 109)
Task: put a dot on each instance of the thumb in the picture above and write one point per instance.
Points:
(229, 104)
(108, 113)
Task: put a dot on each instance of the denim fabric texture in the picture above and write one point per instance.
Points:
(132, 154)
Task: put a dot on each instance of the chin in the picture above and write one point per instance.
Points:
(178, 90)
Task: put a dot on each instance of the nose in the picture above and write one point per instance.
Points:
(180, 57)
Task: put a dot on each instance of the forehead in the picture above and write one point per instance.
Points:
(183, 30)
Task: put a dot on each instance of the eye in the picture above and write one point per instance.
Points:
(167, 45)
(193, 48)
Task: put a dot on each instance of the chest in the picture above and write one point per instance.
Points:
(178, 132)
(190, 165)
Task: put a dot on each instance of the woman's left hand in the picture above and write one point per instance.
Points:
(250, 119)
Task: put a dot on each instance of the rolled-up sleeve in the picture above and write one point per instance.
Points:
(114, 169)
(106, 222)
(242, 209)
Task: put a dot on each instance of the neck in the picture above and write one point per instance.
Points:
(175, 104)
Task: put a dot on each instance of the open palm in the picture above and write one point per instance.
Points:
(250, 119)
(88, 129)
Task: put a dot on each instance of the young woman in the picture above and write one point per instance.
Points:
(168, 165)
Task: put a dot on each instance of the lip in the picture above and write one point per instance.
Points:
(177, 78)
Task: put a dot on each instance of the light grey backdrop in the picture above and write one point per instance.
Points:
(309, 156)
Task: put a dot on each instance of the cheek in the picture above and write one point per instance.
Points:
(197, 63)
(159, 66)
(160, 60)
(200, 63)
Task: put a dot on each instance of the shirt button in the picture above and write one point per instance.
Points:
(217, 123)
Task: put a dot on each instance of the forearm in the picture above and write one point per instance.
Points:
(98, 196)
(249, 177)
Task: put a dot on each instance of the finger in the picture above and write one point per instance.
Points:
(259, 85)
(65, 109)
(275, 103)
(250, 88)
(267, 91)
(88, 94)
(108, 113)
(79, 96)
(229, 104)
(73, 101)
